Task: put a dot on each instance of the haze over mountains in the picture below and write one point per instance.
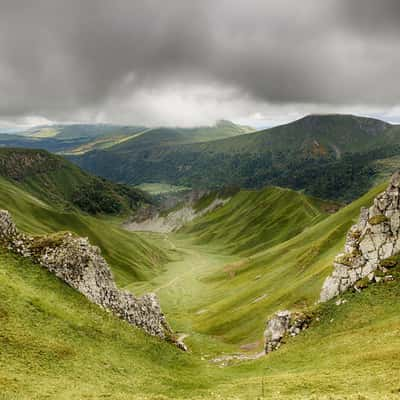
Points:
(77, 139)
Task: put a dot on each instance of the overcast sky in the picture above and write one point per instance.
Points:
(190, 62)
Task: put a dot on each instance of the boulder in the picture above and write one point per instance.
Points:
(283, 323)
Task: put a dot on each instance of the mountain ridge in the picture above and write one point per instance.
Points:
(330, 156)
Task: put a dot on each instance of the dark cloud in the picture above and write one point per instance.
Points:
(73, 59)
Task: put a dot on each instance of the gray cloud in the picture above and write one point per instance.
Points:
(137, 61)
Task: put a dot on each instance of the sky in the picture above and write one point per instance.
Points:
(192, 62)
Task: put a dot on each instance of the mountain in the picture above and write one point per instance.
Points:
(52, 178)
(330, 156)
(81, 138)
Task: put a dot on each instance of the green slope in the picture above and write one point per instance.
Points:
(130, 256)
(63, 132)
(289, 275)
(54, 344)
(55, 180)
(330, 156)
(211, 293)
(255, 220)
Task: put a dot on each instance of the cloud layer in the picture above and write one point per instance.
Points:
(190, 62)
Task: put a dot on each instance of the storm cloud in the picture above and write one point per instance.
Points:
(188, 62)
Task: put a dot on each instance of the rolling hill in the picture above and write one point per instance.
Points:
(329, 156)
(81, 138)
(53, 179)
(255, 220)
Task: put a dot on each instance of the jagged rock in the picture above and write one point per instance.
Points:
(283, 323)
(374, 238)
(81, 265)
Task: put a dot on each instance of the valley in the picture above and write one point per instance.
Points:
(350, 351)
(219, 277)
(199, 200)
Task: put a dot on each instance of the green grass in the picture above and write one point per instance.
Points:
(130, 256)
(229, 297)
(61, 183)
(289, 275)
(160, 188)
(54, 344)
(256, 220)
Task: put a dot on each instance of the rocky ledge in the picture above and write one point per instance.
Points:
(81, 265)
(369, 243)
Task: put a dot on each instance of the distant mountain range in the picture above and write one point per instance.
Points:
(80, 138)
(330, 156)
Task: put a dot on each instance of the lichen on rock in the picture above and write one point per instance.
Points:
(374, 238)
(78, 263)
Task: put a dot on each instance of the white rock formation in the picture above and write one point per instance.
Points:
(81, 265)
(374, 238)
(283, 323)
(173, 220)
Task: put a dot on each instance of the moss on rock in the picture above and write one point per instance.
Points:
(378, 219)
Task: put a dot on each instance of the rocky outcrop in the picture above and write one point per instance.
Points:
(374, 238)
(81, 265)
(157, 221)
(282, 324)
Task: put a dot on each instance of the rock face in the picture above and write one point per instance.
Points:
(283, 323)
(81, 265)
(373, 239)
(174, 220)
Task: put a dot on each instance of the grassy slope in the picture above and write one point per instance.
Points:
(346, 133)
(55, 180)
(289, 274)
(130, 256)
(353, 352)
(56, 345)
(255, 220)
(209, 293)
